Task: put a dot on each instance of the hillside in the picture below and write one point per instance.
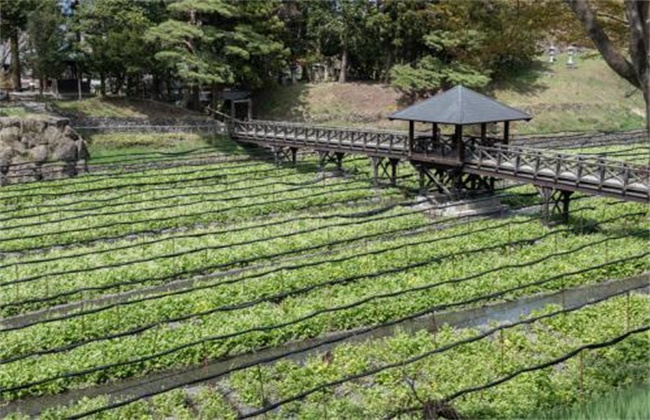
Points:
(590, 97)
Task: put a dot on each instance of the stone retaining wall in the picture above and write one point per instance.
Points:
(39, 148)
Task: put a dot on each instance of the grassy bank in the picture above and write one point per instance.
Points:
(590, 97)
(630, 404)
(122, 108)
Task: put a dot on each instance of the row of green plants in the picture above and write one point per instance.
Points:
(111, 188)
(632, 153)
(200, 211)
(224, 178)
(238, 316)
(112, 180)
(590, 375)
(177, 256)
(441, 375)
(181, 198)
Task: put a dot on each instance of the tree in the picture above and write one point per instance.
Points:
(13, 18)
(255, 50)
(446, 67)
(187, 44)
(46, 42)
(112, 42)
(337, 28)
(635, 67)
(220, 43)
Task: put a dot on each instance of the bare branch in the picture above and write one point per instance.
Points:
(612, 17)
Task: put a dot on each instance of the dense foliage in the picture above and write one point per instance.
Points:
(419, 46)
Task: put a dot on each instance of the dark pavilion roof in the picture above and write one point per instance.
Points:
(459, 106)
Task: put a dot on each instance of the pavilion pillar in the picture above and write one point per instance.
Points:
(506, 132)
(460, 146)
(483, 133)
(411, 135)
(434, 136)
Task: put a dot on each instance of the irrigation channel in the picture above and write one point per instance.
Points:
(176, 285)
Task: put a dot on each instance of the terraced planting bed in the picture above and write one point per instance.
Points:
(127, 273)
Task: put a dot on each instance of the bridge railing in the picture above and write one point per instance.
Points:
(293, 134)
(561, 169)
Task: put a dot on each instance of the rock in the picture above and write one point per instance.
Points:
(34, 126)
(9, 135)
(6, 154)
(40, 145)
(70, 133)
(82, 150)
(70, 168)
(30, 140)
(66, 152)
(52, 136)
(38, 154)
(18, 147)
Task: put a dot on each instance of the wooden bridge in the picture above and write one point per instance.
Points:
(451, 164)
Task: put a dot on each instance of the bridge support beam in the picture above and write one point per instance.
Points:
(284, 154)
(555, 202)
(384, 168)
(325, 157)
(452, 180)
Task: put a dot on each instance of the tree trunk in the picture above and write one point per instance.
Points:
(636, 69)
(102, 84)
(344, 64)
(15, 61)
(387, 66)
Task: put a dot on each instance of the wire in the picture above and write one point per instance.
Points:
(506, 378)
(132, 233)
(312, 315)
(215, 232)
(275, 299)
(276, 357)
(160, 198)
(185, 215)
(441, 349)
(242, 262)
(197, 250)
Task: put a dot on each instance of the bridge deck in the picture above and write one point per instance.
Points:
(590, 175)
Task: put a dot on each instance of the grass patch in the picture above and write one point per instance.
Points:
(13, 111)
(630, 404)
(109, 147)
(123, 108)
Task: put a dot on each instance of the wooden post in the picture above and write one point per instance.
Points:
(506, 132)
(375, 169)
(483, 133)
(411, 135)
(460, 147)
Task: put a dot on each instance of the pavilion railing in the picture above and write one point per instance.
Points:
(489, 157)
(561, 169)
(345, 139)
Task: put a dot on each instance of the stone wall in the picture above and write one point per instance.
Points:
(35, 149)
(93, 125)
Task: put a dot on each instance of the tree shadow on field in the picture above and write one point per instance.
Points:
(282, 103)
(524, 81)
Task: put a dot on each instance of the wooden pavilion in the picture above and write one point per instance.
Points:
(444, 155)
